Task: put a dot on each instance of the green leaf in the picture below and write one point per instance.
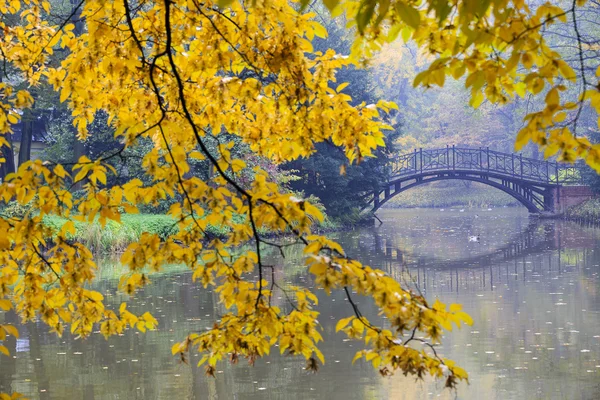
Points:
(384, 6)
(409, 15)
(364, 15)
(330, 4)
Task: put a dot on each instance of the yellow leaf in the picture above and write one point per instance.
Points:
(237, 165)
(455, 307)
(319, 30)
(358, 326)
(4, 350)
(54, 41)
(342, 323)
(566, 71)
(5, 304)
(560, 117)
(477, 99)
(466, 318)
(313, 248)
(553, 99)
(11, 330)
(527, 60)
(95, 296)
(13, 119)
(319, 355)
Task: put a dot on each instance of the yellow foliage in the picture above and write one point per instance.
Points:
(180, 74)
(501, 48)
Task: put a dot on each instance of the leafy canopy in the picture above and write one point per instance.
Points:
(184, 74)
(499, 48)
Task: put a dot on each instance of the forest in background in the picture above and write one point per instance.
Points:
(429, 118)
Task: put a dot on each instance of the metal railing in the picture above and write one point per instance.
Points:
(454, 158)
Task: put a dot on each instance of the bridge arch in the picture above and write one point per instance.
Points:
(524, 199)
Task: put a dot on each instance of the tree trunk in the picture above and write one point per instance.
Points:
(26, 137)
(8, 166)
(78, 151)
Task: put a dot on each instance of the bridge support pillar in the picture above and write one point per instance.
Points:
(549, 195)
(564, 197)
(376, 199)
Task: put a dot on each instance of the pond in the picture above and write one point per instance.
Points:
(532, 287)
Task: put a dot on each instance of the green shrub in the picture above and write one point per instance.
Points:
(14, 209)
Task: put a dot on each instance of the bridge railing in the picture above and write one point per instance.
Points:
(471, 159)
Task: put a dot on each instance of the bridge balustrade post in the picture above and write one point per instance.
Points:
(512, 156)
(480, 158)
(488, 158)
(453, 157)
(421, 157)
(415, 161)
(447, 155)
(521, 163)
(547, 171)
(556, 168)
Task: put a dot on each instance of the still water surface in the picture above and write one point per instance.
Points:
(533, 289)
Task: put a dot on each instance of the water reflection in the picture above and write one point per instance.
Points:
(533, 289)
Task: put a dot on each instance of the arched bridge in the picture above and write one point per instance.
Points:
(538, 185)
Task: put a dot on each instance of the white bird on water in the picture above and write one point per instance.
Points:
(474, 239)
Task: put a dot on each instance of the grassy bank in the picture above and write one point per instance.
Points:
(115, 237)
(455, 194)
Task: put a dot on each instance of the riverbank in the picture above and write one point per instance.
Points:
(587, 213)
(115, 237)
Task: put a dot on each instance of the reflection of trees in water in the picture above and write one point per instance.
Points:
(182, 306)
(9, 364)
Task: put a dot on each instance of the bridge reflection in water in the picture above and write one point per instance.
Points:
(541, 248)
